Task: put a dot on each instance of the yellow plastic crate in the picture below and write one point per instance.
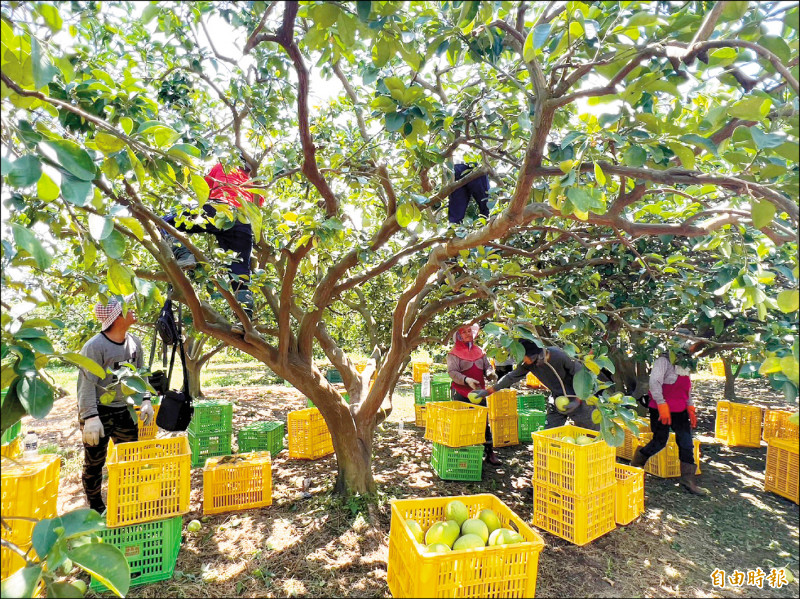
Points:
(419, 414)
(629, 493)
(738, 425)
(502, 404)
(309, 437)
(504, 431)
(666, 464)
(12, 449)
(782, 475)
(361, 366)
(502, 571)
(418, 369)
(579, 469)
(718, 368)
(777, 426)
(631, 442)
(532, 381)
(237, 482)
(455, 423)
(147, 432)
(148, 480)
(578, 519)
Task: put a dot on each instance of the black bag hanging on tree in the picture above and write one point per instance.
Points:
(176, 409)
(159, 379)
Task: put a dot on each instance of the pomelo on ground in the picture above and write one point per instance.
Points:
(490, 519)
(416, 530)
(194, 526)
(456, 510)
(477, 527)
(468, 541)
(79, 586)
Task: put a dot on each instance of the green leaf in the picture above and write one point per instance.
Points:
(405, 214)
(11, 409)
(125, 122)
(580, 198)
(46, 188)
(35, 395)
(100, 226)
(394, 121)
(120, 279)
(750, 108)
(134, 226)
(684, 154)
(788, 301)
(72, 157)
(25, 240)
(63, 589)
(517, 351)
(766, 140)
(22, 583)
(74, 190)
(114, 245)
(634, 156)
(25, 171)
(599, 175)
(51, 16)
(762, 213)
(324, 15)
(583, 383)
(150, 12)
(107, 143)
(82, 361)
(42, 346)
(699, 140)
(200, 188)
(363, 7)
(43, 69)
(106, 563)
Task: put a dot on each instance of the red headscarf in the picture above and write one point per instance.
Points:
(469, 352)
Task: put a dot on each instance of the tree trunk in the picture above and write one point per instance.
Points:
(730, 380)
(194, 367)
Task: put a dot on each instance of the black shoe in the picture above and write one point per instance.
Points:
(183, 256)
(100, 509)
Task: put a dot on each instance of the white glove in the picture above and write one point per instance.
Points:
(93, 430)
(146, 412)
(472, 383)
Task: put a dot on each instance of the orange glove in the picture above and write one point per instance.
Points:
(664, 415)
(692, 416)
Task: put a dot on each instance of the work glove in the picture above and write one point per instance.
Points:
(472, 383)
(664, 415)
(573, 405)
(146, 412)
(479, 394)
(491, 377)
(692, 416)
(93, 430)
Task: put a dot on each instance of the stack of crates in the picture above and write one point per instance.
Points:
(738, 425)
(631, 442)
(573, 485)
(210, 430)
(261, 436)
(532, 381)
(309, 437)
(29, 490)
(536, 401)
(499, 571)
(777, 426)
(528, 422)
(503, 419)
(458, 431)
(783, 468)
(12, 441)
(439, 391)
(237, 482)
(629, 493)
(418, 369)
(666, 463)
(148, 492)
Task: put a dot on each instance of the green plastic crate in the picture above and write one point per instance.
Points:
(333, 375)
(151, 549)
(457, 463)
(441, 377)
(440, 391)
(310, 404)
(208, 446)
(261, 436)
(212, 417)
(537, 401)
(530, 421)
(12, 432)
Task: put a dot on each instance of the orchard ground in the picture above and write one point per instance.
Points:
(318, 546)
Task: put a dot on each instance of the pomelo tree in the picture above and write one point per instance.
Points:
(636, 119)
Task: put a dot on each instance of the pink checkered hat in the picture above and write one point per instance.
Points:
(108, 313)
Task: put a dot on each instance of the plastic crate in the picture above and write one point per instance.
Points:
(631, 441)
(206, 446)
(150, 548)
(148, 431)
(261, 436)
(532, 381)
(504, 430)
(528, 422)
(782, 475)
(777, 426)
(536, 401)
(629, 493)
(738, 425)
(666, 464)
(212, 417)
(148, 480)
(12, 450)
(457, 463)
(440, 391)
(455, 423)
(418, 369)
(717, 368)
(579, 469)
(502, 571)
(309, 437)
(419, 415)
(243, 483)
(578, 519)
(333, 375)
(12, 432)
(29, 490)
(502, 404)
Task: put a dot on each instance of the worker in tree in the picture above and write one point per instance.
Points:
(469, 367)
(671, 407)
(477, 189)
(225, 188)
(99, 421)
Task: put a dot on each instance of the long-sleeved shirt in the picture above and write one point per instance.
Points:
(663, 373)
(457, 366)
(108, 354)
(564, 366)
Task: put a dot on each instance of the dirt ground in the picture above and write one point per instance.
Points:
(316, 546)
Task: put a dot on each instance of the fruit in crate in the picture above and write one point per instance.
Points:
(567, 439)
(795, 418)
(468, 541)
(562, 402)
(490, 519)
(438, 548)
(416, 530)
(442, 532)
(475, 527)
(584, 440)
(456, 510)
(504, 536)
